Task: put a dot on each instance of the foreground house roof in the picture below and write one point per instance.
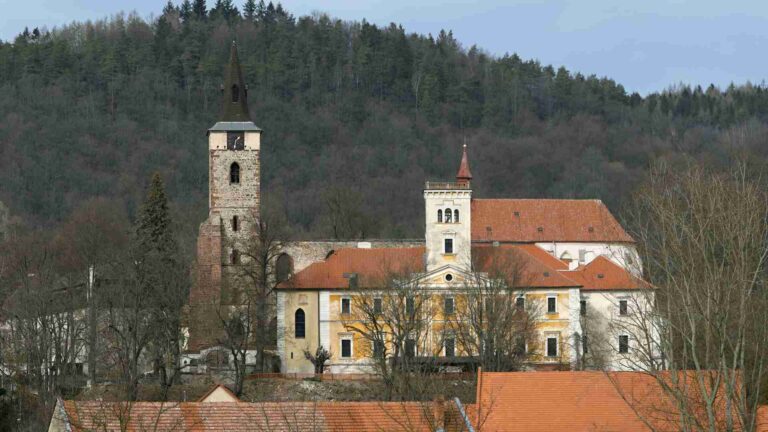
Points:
(82, 416)
(574, 401)
(545, 220)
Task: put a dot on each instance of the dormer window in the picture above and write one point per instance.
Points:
(235, 93)
(448, 214)
(439, 216)
(456, 216)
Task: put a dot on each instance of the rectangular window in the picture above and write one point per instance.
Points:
(448, 246)
(520, 348)
(378, 348)
(623, 307)
(584, 346)
(448, 305)
(410, 348)
(551, 346)
(552, 304)
(346, 348)
(410, 306)
(583, 306)
(377, 305)
(623, 344)
(520, 303)
(450, 347)
(346, 306)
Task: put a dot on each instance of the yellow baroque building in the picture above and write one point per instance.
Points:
(549, 283)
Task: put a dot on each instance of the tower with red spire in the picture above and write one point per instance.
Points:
(448, 207)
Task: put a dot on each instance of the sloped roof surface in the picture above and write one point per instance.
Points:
(603, 274)
(540, 220)
(242, 416)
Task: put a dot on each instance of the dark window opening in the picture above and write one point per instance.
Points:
(346, 348)
(299, 324)
(551, 305)
(623, 344)
(456, 216)
(235, 93)
(234, 173)
(449, 246)
(623, 307)
(448, 305)
(235, 224)
(235, 256)
(448, 214)
(450, 347)
(551, 347)
(346, 306)
(377, 306)
(584, 345)
(410, 306)
(520, 346)
(440, 216)
(378, 348)
(583, 307)
(410, 348)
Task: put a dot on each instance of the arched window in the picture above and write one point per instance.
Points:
(299, 324)
(284, 267)
(235, 93)
(234, 173)
(439, 216)
(235, 256)
(456, 216)
(235, 223)
(448, 215)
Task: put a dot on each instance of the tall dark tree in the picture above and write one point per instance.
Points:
(199, 9)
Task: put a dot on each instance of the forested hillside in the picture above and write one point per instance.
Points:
(355, 116)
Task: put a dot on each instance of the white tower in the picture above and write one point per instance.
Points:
(449, 220)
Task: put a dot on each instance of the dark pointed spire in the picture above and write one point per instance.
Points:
(234, 106)
(464, 175)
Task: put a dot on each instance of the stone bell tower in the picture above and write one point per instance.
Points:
(234, 145)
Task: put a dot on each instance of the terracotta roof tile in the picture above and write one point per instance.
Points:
(262, 416)
(603, 274)
(572, 401)
(535, 267)
(541, 220)
(371, 265)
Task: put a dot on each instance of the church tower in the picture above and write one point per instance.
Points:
(234, 180)
(449, 220)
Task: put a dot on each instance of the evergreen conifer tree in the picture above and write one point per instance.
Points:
(249, 10)
(153, 226)
(199, 9)
(185, 11)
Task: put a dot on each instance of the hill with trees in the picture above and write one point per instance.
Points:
(356, 117)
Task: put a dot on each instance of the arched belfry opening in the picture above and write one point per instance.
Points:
(235, 93)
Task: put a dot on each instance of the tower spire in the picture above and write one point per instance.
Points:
(464, 175)
(234, 106)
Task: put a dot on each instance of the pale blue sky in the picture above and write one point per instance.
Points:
(646, 45)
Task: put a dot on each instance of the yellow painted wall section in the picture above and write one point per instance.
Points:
(294, 348)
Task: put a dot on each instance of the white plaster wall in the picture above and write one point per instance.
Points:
(435, 232)
(623, 254)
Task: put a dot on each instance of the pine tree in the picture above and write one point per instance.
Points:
(199, 9)
(249, 10)
(185, 11)
(153, 226)
(169, 8)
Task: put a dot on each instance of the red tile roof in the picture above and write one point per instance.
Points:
(241, 416)
(525, 263)
(371, 265)
(572, 401)
(541, 220)
(603, 274)
(464, 174)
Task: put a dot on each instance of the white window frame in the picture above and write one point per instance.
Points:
(547, 337)
(453, 245)
(350, 338)
(341, 305)
(552, 296)
(445, 354)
